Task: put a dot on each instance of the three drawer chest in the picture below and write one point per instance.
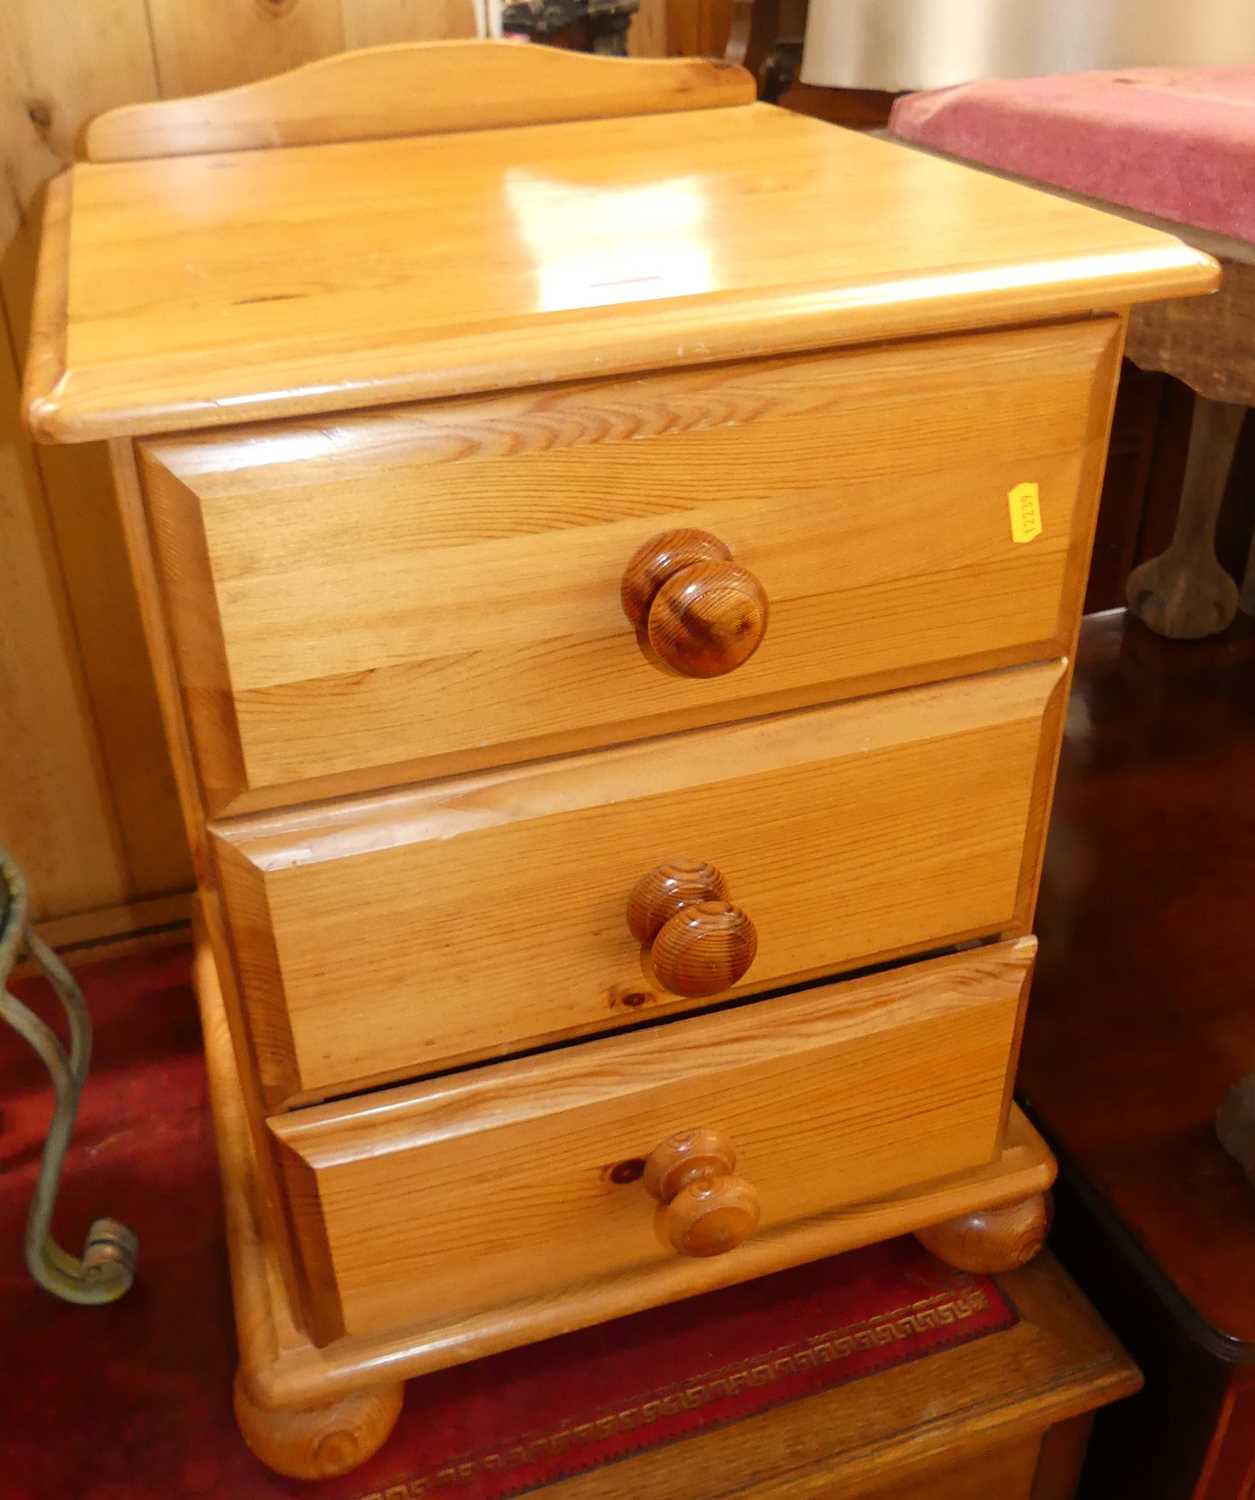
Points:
(611, 553)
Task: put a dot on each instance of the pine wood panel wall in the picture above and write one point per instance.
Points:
(699, 28)
(86, 799)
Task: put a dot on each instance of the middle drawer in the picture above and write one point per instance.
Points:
(391, 935)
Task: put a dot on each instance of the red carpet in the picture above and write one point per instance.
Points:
(133, 1401)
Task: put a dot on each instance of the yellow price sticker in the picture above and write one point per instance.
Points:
(1024, 503)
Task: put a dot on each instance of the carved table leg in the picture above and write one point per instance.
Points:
(325, 1440)
(991, 1239)
(1184, 593)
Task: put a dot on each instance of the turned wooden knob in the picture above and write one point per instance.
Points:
(694, 610)
(708, 1210)
(694, 941)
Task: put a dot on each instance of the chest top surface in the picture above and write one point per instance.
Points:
(204, 290)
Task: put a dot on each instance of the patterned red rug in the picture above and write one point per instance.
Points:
(132, 1402)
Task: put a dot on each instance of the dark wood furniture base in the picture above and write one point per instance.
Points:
(1142, 1021)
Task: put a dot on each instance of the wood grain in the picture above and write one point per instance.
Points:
(1208, 343)
(493, 1188)
(1089, 495)
(414, 89)
(993, 1240)
(213, 951)
(122, 702)
(57, 819)
(648, 34)
(659, 558)
(708, 1210)
(187, 308)
(708, 620)
(101, 764)
(667, 889)
(93, 552)
(1064, 1359)
(57, 69)
(479, 542)
(45, 316)
(377, 23)
(699, 28)
(705, 949)
(68, 672)
(198, 47)
(322, 1441)
(431, 589)
(686, 1157)
(1006, 1471)
(389, 935)
(114, 931)
(712, 1217)
(56, 72)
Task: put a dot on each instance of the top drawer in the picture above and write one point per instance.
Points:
(436, 588)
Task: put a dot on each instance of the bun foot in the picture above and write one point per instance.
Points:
(991, 1239)
(323, 1441)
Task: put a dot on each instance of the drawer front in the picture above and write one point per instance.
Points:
(388, 936)
(515, 1182)
(434, 589)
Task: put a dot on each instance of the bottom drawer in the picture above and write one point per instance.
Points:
(517, 1180)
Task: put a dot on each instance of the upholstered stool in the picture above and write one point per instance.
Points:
(1172, 147)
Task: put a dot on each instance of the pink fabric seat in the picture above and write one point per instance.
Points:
(1175, 142)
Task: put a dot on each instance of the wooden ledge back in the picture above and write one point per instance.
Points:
(415, 88)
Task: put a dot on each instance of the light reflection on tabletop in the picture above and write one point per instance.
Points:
(599, 246)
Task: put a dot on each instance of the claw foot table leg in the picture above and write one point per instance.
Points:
(1184, 593)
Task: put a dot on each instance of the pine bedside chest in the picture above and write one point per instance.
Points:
(611, 552)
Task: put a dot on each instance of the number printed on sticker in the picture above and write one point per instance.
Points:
(1024, 503)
